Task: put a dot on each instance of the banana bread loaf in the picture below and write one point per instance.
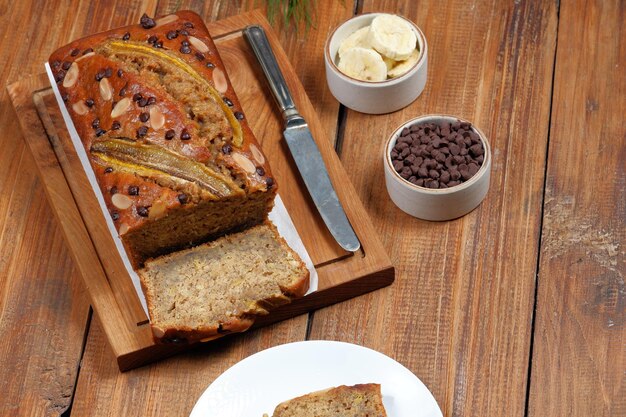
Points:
(344, 401)
(221, 286)
(166, 136)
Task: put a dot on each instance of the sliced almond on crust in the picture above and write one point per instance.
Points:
(157, 209)
(71, 77)
(121, 201)
(123, 229)
(80, 108)
(157, 120)
(256, 153)
(245, 163)
(120, 107)
(87, 55)
(198, 44)
(219, 80)
(106, 91)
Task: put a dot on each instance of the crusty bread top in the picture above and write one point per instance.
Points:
(343, 401)
(158, 116)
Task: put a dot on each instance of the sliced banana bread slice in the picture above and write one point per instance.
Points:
(344, 401)
(220, 287)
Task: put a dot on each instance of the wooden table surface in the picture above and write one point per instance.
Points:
(517, 309)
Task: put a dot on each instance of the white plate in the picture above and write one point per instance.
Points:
(260, 382)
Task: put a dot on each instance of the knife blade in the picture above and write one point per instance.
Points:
(302, 146)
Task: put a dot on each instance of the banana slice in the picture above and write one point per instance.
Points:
(358, 38)
(363, 64)
(390, 64)
(402, 67)
(392, 36)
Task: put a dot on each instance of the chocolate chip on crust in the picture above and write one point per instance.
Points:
(147, 22)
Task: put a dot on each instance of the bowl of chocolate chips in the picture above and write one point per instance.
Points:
(437, 167)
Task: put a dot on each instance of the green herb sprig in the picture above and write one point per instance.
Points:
(296, 12)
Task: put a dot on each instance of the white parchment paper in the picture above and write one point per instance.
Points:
(279, 215)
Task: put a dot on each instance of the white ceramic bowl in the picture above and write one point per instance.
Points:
(436, 204)
(373, 97)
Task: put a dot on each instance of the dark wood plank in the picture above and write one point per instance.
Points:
(579, 353)
(459, 313)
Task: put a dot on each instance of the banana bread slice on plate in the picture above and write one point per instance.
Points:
(361, 400)
(220, 287)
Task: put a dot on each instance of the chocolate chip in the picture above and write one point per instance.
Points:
(239, 115)
(133, 190)
(115, 215)
(100, 75)
(144, 116)
(269, 181)
(96, 123)
(108, 72)
(147, 22)
(228, 102)
(210, 65)
(189, 25)
(199, 56)
(143, 102)
(158, 44)
(477, 150)
(120, 73)
(56, 64)
(260, 171)
(66, 65)
(142, 131)
(137, 96)
(227, 149)
(89, 102)
(123, 90)
(113, 190)
(171, 35)
(169, 135)
(185, 49)
(185, 43)
(152, 39)
(183, 198)
(115, 125)
(108, 170)
(437, 155)
(184, 135)
(100, 132)
(151, 101)
(74, 52)
(126, 36)
(183, 32)
(142, 211)
(60, 75)
(65, 97)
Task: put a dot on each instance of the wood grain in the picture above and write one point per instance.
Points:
(459, 313)
(579, 354)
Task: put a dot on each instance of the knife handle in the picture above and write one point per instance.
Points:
(260, 45)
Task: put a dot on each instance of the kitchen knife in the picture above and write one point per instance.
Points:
(302, 146)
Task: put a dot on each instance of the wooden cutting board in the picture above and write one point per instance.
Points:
(342, 275)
